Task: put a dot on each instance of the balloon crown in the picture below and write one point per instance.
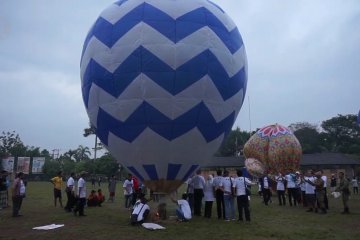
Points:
(273, 131)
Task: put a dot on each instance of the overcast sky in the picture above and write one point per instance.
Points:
(303, 60)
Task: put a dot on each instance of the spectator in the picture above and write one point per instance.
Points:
(112, 188)
(141, 211)
(128, 191)
(280, 188)
(81, 195)
(228, 197)
(101, 197)
(240, 185)
(209, 196)
(92, 200)
(219, 194)
(70, 193)
(57, 181)
(355, 185)
(183, 212)
(18, 191)
(199, 184)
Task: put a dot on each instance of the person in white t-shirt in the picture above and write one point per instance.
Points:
(280, 188)
(310, 190)
(228, 196)
(141, 210)
(291, 188)
(326, 200)
(219, 194)
(183, 212)
(128, 190)
(240, 184)
(81, 194)
(70, 193)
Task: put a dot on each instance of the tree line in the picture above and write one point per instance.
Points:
(338, 134)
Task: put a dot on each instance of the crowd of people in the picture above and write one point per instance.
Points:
(230, 193)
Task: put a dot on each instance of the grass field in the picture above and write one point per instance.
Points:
(112, 221)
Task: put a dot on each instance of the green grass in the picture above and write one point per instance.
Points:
(112, 221)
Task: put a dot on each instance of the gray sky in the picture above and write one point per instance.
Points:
(303, 59)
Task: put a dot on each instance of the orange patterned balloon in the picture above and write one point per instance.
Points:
(276, 147)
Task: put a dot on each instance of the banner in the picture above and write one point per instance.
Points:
(8, 164)
(23, 165)
(37, 165)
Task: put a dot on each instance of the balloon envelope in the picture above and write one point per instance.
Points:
(255, 167)
(276, 147)
(162, 83)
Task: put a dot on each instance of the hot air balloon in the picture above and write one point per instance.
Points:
(276, 147)
(162, 83)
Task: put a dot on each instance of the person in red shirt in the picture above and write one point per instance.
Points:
(100, 197)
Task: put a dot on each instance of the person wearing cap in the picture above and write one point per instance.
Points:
(81, 195)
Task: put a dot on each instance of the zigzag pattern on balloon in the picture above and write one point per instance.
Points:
(169, 105)
(149, 14)
(146, 116)
(176, 54)
(174, 81)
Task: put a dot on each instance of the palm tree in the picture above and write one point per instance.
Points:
(82, 153)
(70, 154)
(90, 131)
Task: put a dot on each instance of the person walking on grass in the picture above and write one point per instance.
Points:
(355, 185)
(57, 181)
(128, 190)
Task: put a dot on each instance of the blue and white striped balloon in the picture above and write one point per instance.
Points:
(163, 82)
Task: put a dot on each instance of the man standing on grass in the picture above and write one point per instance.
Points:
(70, 193)
(58, 182)
(345, 191)
(81, 195)
(199, 184)
(17, 195)
(128, 190)
(219, 194)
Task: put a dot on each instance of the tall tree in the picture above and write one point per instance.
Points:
(308, 136)
(234, 143)
(82, 153)
(342, 131)
(92, 131)
(11, 144)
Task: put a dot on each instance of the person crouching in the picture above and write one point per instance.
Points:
(140, 212)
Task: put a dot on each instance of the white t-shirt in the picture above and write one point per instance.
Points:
(226, 183)
(198, 181)
(70, 183)
(209, 191)
(280, 186)
(22, 188)
(139, 209)
(240, 184)
(290, 178)
(217, 182)
(185, 208)
(266, 182)
(309, 189)
(81, 188)
(128, 187)
(324, 178)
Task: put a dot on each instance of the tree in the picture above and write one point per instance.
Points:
(92, 131)
(107, 165)
(308, 136)
(342, 132)
(51, 167)
(11, 144)
(82, 153)
(70, 154)
(233, 143)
